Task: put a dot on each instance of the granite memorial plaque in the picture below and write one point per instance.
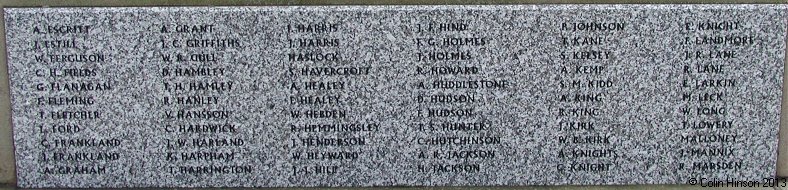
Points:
(395, 95)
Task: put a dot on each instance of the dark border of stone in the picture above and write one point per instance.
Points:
(7, 161)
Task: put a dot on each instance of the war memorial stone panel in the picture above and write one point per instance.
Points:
(395, 95)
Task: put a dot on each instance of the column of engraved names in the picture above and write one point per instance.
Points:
(327, 134)
(454, 136)
(69, 108)
(586, 89)
(712, 51)
(201, 128)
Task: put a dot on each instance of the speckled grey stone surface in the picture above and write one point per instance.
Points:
(495, 106)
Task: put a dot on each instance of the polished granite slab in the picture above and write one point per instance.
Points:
(395, 95)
